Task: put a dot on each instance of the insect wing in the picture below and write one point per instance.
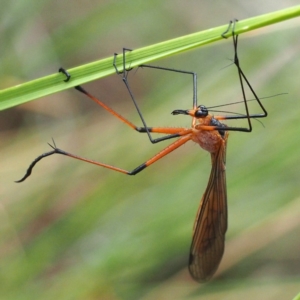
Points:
(211, 222)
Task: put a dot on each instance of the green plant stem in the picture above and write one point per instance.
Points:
(54, 83)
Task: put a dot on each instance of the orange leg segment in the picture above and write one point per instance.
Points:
(173, 132)
(138, 169)
(158, 156)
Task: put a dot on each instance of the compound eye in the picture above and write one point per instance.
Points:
(201, 112)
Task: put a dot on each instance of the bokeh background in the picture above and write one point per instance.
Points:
(75, 231)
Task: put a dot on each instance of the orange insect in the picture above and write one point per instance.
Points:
(211, 221)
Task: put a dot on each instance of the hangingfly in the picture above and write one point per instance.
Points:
(211, 134)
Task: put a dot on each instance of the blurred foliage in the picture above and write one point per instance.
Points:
(74, 231)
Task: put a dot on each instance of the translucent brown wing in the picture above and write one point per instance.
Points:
(211, 221)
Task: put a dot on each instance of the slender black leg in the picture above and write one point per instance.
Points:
(242, 79)
(125, 80)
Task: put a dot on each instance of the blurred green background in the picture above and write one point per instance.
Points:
(75, 231)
